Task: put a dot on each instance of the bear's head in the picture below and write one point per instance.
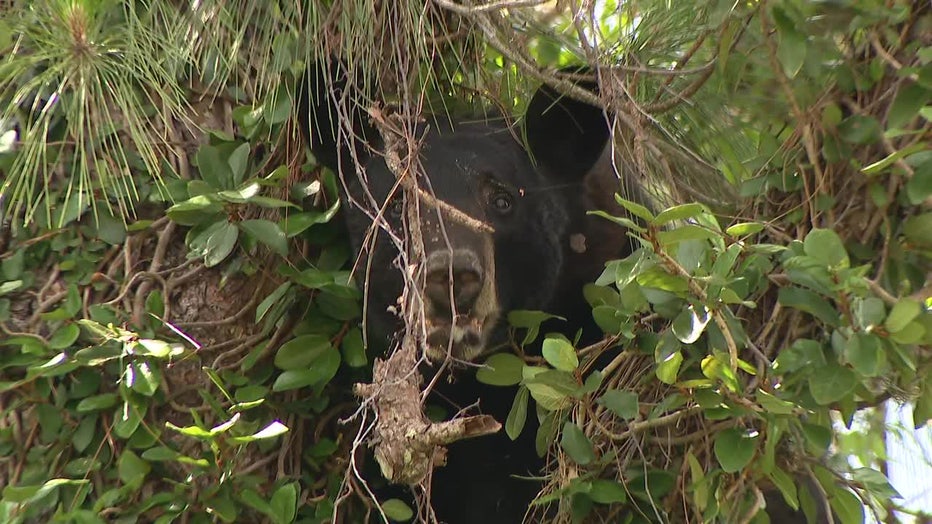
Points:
(514, 197)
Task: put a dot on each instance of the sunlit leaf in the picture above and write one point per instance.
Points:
(734, 449)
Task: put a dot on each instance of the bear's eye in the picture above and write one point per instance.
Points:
(501, 202)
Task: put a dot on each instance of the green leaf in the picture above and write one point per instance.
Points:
(501, 369)
(155, 305)
(143, 378)
(296, 223)
(551, 394)
(222, 507)
(791, 47)
(528, 319)
(831, 383)
(268, 233)
(337, 304)
(84, 433)
(20, 494)
(622, 403)
(301, 351)
(194, 211)
(559, 353)
(273, 430)
(689, 325)
(869, 312)
(716, 367)
(744, 229)
(213, 169)
(213, 241)
(635, 209)
(907, 104)
(919, 186)
(238, 161)
(810, 302)
(255, 501)
(592, 384)
(354, 352)
(607, 492)
(734, 449)
(773, 404)
(926, 112)
(397, 510)
(904, 311)
(284, 503)
(531, 321)
(786, 485)
(156, 348)
(97, 402)
(322, 370)
(576, 444)
(848, 507)
(826, 246)
(876, 482)
(660, 279)
(132, 469)
(517, 416)
(546, 433)
(270, 203)
(50, 420)
(621, 221)
(280, 111)
(126, 420)
(680, 212)
(240, 195)
(246, 116)
(668, 370)
(912, 333)
(73, 303)
(9, 287)
(683, 233)
(831, 115)
(860, 129)
(64, 336)
(263, 308)
(223, 427)
(12, 267)
(612, 320)
(159, 454)
(865, 353)
(109, 228)
(918, 229)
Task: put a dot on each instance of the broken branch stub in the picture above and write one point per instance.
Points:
(407, 445)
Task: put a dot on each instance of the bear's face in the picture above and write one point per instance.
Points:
(507, 256)
(527, 198)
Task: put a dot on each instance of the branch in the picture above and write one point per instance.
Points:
(407, 445)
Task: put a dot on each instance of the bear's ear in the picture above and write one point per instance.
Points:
(565, 136)
(324, 93)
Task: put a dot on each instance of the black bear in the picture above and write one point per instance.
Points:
(537, 252)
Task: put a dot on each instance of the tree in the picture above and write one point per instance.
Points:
(179, 329)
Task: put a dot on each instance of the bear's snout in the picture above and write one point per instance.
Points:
(464, 288)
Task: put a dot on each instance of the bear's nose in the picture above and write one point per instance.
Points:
(467, 279)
